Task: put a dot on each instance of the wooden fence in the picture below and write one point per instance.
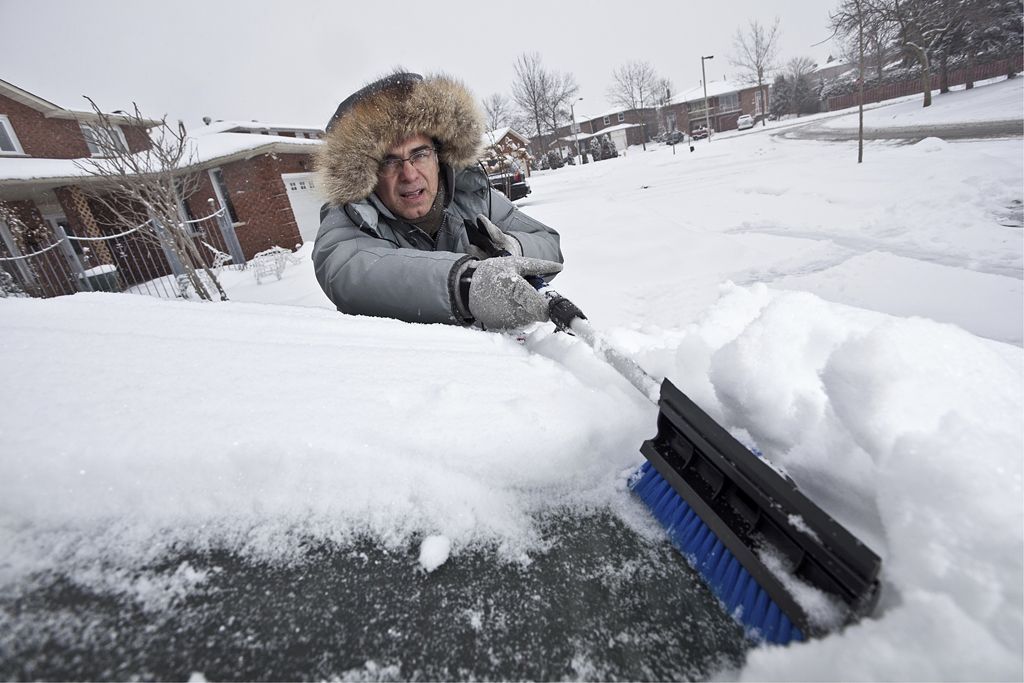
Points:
(912, 86)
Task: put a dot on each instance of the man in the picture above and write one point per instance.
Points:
(399, 165)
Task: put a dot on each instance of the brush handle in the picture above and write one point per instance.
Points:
(568, 318)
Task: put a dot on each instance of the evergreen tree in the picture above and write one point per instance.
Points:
(993, 28)
(608, 149)
(782, 97)
(802, 91)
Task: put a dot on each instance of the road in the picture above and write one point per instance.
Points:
(814, 130)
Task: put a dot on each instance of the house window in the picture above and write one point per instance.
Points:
(103, 142)
(758, 107)
(8, 140)
(575, 128)
(622, 117)
(606, 121)
(221, 190)
(730, 102)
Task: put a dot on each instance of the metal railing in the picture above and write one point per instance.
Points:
(131, 261)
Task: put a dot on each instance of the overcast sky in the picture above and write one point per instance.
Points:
(293, 61)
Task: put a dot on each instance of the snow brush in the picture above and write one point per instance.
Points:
(762, 547)
(779, 564)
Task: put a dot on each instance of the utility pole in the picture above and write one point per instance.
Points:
(575, 130)
(704, 80)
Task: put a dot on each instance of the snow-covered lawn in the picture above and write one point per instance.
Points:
(862, 324)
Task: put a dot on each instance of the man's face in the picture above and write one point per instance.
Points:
(408, 189)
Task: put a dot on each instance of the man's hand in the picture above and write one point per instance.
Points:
(500, 297)
(488, 240)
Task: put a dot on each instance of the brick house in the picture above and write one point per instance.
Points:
(262, 175)
(256, 178)
(725, 102)
(505, 142)
(623, 126)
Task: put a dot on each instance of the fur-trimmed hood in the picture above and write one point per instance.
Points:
(386, 112)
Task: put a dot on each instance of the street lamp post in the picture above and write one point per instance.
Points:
(704, 80)
(575, 132)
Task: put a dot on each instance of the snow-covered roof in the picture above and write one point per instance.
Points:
(228, 146)
(206, 149)
(55, 111)
(586, 136)
(14, 169)
(494, 136)
(575, 137)
(621, 126)
(25, 97)
(611, 112)
(222, 126)
(715, 88)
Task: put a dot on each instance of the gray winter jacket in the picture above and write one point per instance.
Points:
(369, 262)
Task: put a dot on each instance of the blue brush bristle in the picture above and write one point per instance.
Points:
(731, 583)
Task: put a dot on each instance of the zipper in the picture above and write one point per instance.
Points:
(440, 229)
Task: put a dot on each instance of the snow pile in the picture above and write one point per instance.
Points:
(434, 552)
(910, 433)
(252, 427)
(336, 428)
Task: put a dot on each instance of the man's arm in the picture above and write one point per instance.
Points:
(364, 274)
(537, 239)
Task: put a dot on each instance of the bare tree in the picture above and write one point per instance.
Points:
(563, 93)
(542, 95)
(145, 189)
(879, 36)
(498, 110)
(634, 86)
(531, 91)
(662, 97)
(849, 19)
(755, 52)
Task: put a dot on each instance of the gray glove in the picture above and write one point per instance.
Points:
(500, 297)
(499, 241)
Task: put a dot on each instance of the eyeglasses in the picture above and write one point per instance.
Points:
(420, 159)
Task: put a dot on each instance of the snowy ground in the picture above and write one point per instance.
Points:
(862, 324)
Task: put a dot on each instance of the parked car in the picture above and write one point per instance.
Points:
(675, 137)
(510, 180)
(699, 133)
(745, 121)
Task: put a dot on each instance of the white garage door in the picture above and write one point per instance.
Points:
(619, 138)
(306, 200)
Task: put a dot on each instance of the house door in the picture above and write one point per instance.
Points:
(306, 200)
(227, 218)
(78, 257)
